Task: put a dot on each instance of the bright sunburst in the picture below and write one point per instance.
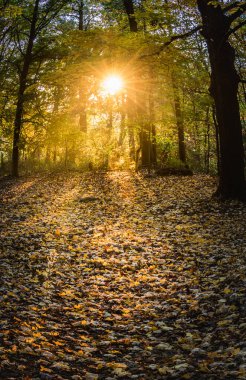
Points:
(112, 84)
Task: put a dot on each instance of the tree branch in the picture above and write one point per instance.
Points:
(238, 26)
(174, 38)
(238, 13)
(51, 12)
(230, 6)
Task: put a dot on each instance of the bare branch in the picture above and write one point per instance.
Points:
(174, 38)
(238, 26)
(51, 12)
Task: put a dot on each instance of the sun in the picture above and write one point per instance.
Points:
(112, 84)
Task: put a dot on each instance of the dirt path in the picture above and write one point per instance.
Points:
(113, 275)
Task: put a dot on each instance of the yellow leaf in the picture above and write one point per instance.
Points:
(119, 365)
(77, 306)
(235, 351)
(163, 370)
(57, 343)
(225, 322)
(37, 335)
(44, 369)
(227, 291)
(29, 340)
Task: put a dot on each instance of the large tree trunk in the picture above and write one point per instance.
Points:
(224, 88)
(21, 92)
(216, 129)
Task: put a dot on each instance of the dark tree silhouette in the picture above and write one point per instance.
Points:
(216, 29)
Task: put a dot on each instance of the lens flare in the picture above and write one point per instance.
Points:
(112, 84)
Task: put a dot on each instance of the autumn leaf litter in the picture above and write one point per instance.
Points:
(114, 275)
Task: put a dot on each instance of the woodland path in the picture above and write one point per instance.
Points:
(147, 281)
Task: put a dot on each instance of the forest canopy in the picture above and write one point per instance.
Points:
(124, 84)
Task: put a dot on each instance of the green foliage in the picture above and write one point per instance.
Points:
(68, 66)
(10, 11)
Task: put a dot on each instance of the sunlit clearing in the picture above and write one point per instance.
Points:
(112, 84)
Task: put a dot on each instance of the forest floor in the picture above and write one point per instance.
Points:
(118, 276)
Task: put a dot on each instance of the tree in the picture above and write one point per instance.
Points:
(217, 26)
(144, 101)
(165, 85)
(41, 15)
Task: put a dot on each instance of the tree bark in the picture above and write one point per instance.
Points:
(122, 121)
(81, 15)
(82, 96)
(145, 146)
(207, 143)
(129, 8)
(224, 88)
(179, 120)
(217, 140)
(131, 104)
(153, 146)
(21, 92)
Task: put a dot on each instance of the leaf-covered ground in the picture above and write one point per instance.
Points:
(117, 276)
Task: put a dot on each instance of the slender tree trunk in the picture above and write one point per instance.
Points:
(131, 117)
(81, 15)
(66, 155)
(21, 92)
(224, 88)
(55, 155)
(122, 122)
(148, 130)
(179, 120)
(207, 143)
(82, 96)
(2, 163)
(152, 130)
(153, 146)
(129, 8)
(47, 155)
(145, 145)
